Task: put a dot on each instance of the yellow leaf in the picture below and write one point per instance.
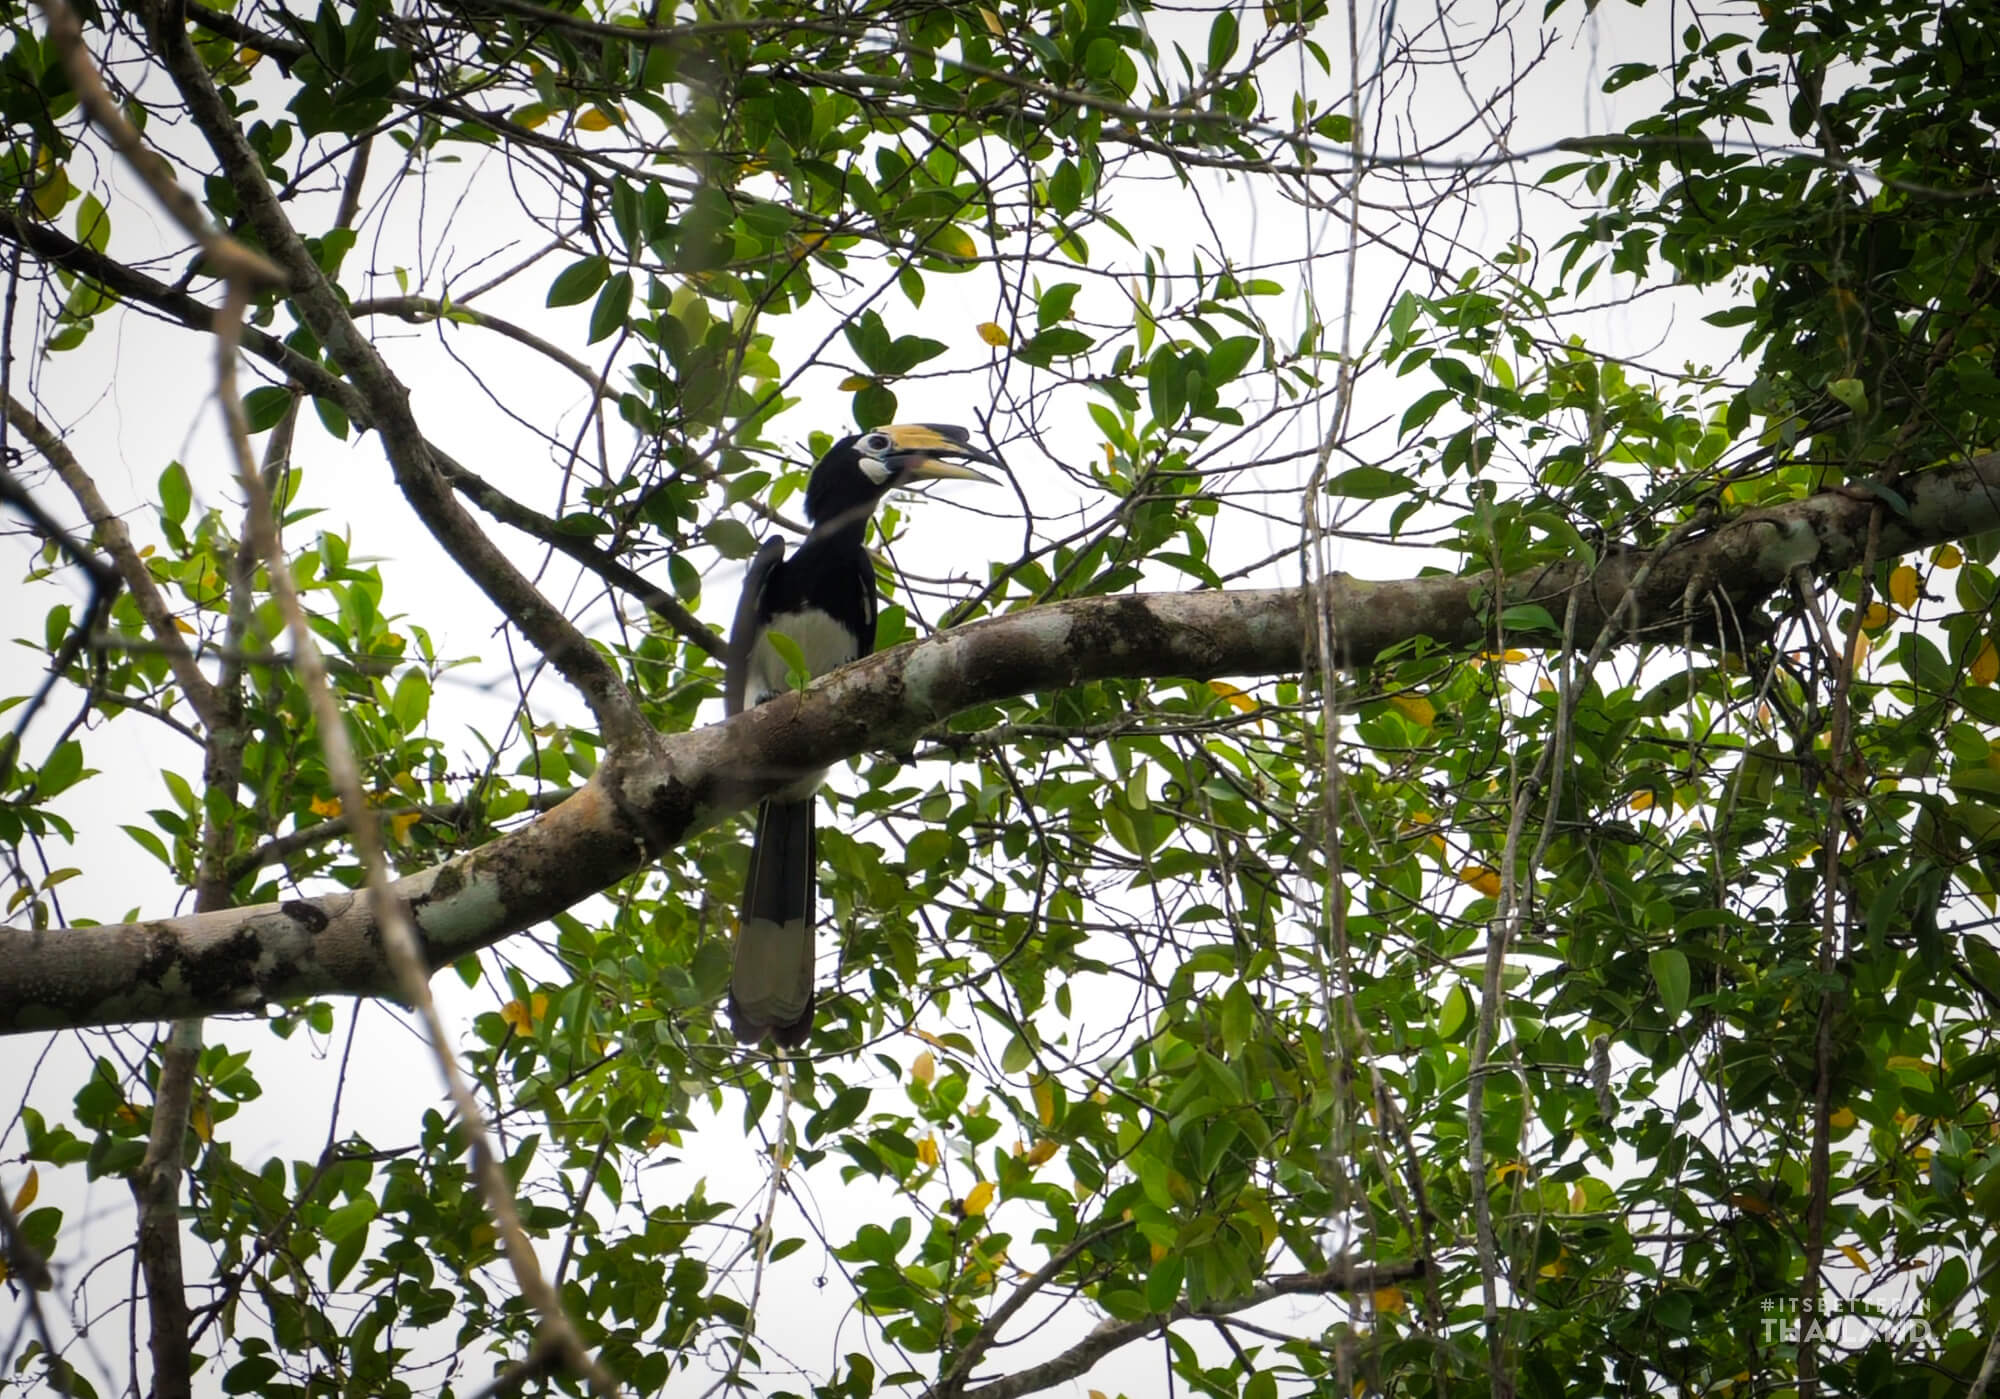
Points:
(400, 823)
(531, 116)
(1841, 1119)
(1556, 1266)
(952, 241)
(1641, 801)
(1508, 657)
(932, 1040)
(30, 1188)
(595, 120)
(1876, 617)
(994, 334)
(521, 1018)
(1482, 878)
(1904, 585)
(1388, 1300)
(977, 1200)
(1750, 1204)
(329, 807)
(1043, 1150)
(1947, 556)
(1986, 665)
(1045, 1102)
(1415, 708)
(1853, 1255)
(1510, 1168)
(1232, 696)
(248, 57)
(1862, 646)
(203, 1124)
(999, 31)
(927, 1151)
(181, 625)
(925, 1068)
(854, 383)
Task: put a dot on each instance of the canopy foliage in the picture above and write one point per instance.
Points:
(1583, 1015)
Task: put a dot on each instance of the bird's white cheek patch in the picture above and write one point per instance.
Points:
(875, 470)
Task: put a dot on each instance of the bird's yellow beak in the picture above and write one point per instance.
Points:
(918, 447)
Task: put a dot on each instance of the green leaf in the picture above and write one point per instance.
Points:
(93, 224)
(1049, 345)
(411, 703)
(1221, 40)
(1369, 483)
(1065, 188)
(686, 579)
(874, 405)
(797, 674)
(1851, 394)
(731, 538)
(607, 318)
(176, 495)
(578, 282)
(1670, 973)
(265, 408)
(1018, 1055)
(331, 416)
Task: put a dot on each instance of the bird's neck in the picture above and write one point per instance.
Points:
(843, 529)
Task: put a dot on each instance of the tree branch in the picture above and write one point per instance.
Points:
(52, 246)
(409, 453)
(113, 538)
(426, 310)
(643, 801)
(1108, 1336)
(578, 547)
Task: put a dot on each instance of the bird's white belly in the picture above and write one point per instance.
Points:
(825, 645)
(823, 642)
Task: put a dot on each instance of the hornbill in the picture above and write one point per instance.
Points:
(823, 599)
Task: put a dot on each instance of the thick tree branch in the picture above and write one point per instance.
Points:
(643, 802)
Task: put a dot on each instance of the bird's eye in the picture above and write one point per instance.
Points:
(875, 443)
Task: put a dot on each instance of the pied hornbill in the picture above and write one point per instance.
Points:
(823, 599)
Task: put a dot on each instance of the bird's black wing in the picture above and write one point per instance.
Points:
(743, 631)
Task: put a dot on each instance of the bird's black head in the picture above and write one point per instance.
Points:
(858, 471)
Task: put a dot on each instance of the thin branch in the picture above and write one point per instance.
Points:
(424, 310)
(410, 454)
(1112, 1335)
(116, 541)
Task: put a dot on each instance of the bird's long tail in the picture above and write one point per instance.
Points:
(771, 988)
